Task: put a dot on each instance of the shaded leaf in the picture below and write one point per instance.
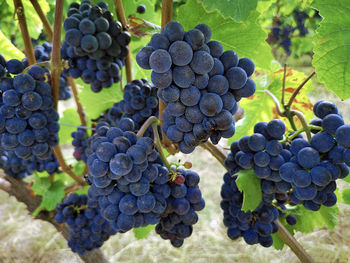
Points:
(346, 196)
(8, 49)
(68, 123)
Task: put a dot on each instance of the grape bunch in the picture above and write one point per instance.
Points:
(254, 226)
(299, 18)
(139, 103)
(184, 199)
(316, 165)
(199, 83)
(95, 44)
(88, 228)
(128, 180)
(28, 121)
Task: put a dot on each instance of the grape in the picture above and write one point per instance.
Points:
(206, 32)
(218, 68)
(342, 135)
(247, 90)
(325, 108)
(14, 66)
(236, 77)
(73, 37)
(218, 84)
(320, 176)
(171, 93)
(202, 62)
(257, 142)
(183, 76)
(297, 145)
(301, 178)
(308, 157)
(23, 83)
(160, 61)
(141, 9)
(331, 123)
(276, 128)
(229, 59)
(248, 65)
(162, 80)
(181, 53)
(216, 48)
(190, 96)
(174, 31)
(195, 38)
(210, 104)
(322, 142)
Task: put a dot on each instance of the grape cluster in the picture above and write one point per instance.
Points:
(42, 54)
(129, 183)
(299, 18)
(28, 121)
(199, 83)
(315, 165)
(254, 226)
(13, 166)
(139, 103)
(88, 228)
(95, 44)
(281, 36)
(184, 199)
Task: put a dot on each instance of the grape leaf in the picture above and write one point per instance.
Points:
(51, 197)
(346, 196)
(246, 38)
(8, 49)
(143, 232)
(40, 185)
(68, 123)
(33, 20)
(97, 103)
(239, 10)
(248, 183)
(332, 46)
(83, 191)
(278, 243)
(347, 179)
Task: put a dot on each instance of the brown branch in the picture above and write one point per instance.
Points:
(119, 9)
(298, 250)
(5, 185)
(19, 190)
(56, 66)
(295, 93)
(44, 20)
(77, 102)
(216, 151)
(65, 168)
(19, 10)
(167, 11)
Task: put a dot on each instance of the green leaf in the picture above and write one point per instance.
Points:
(33, 20)
(97, 103)
(278, 243)
(40, 185)
(150, 15)
(143, 232)
(8, 49)
(347, 179)
(68, 123)
(239, 10)
(83, 191)
(51, 197)
(247, 38)
(248, 183)
(331, 52)
(346, 196)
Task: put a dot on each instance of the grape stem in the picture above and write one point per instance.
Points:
(56, 66)
(158, 144)
(80, 108)
(298, 250)
(284, 83)
(119, 9)
(302, 119)
(283, 233)
(65, 168)
(278, 107)
(146, 124)
(295, 93)
(19, 10)
(44, 20)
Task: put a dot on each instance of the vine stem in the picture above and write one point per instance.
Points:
(303, 123)
(19, 10)
(56, 66)
(44, 20)
(65, 167)
(77, 101)
(283, 233)
(295, 93)
(278, 107)
(167, 11)
(146, 124)
(294, 245)
(216, 151)
(119, 9)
